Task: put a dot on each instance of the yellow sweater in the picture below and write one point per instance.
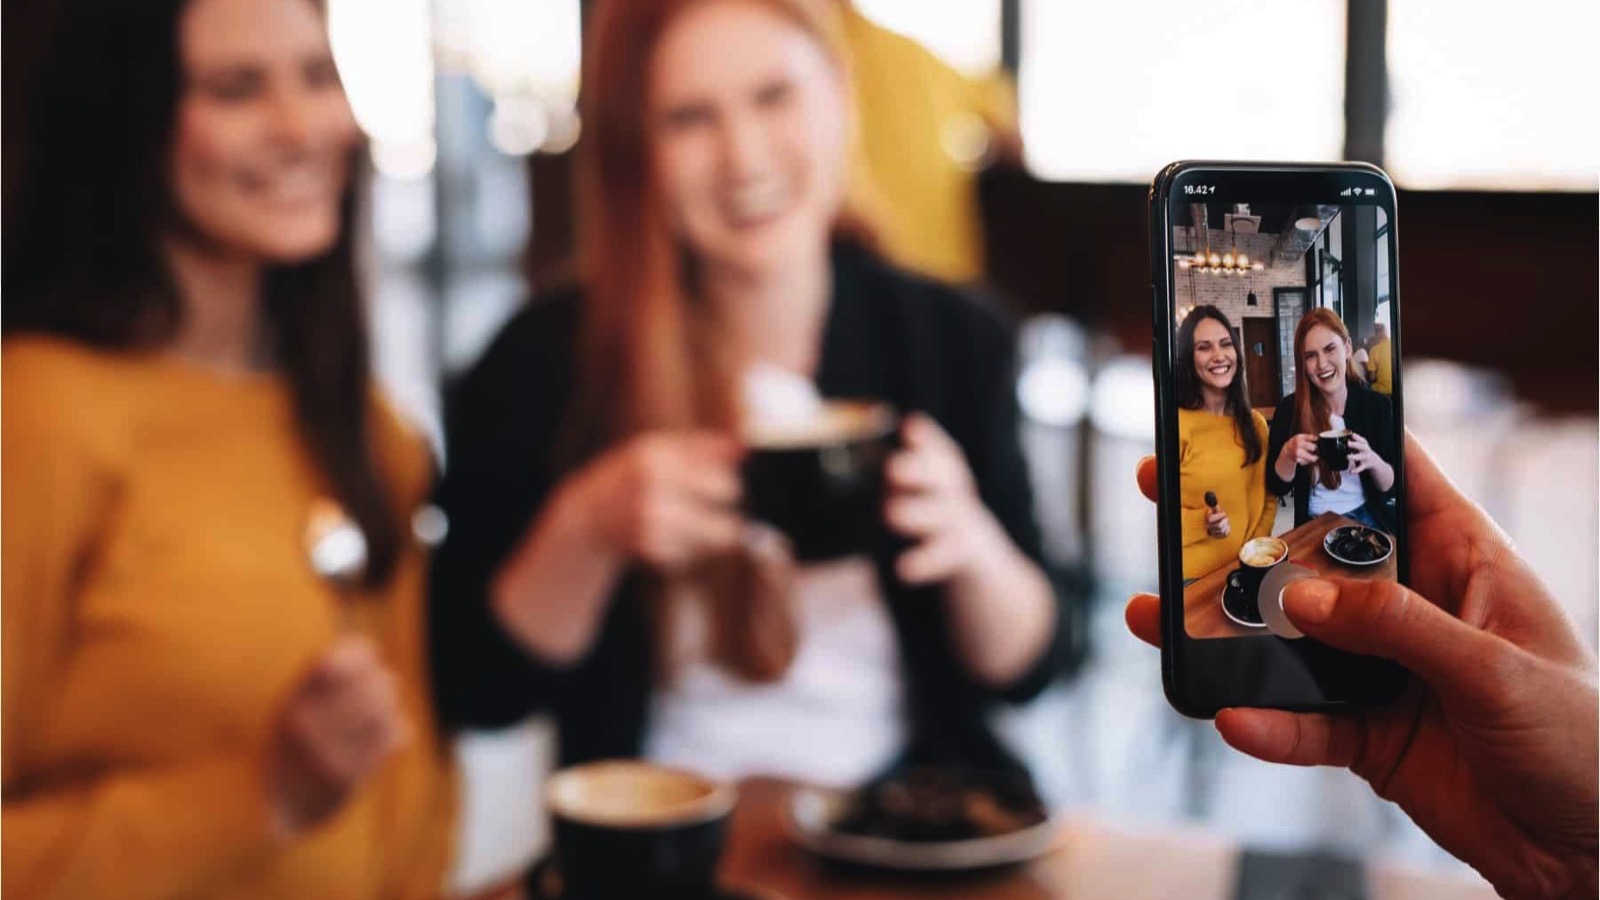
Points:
(911, 106)
(1210, 458)
(158, 608)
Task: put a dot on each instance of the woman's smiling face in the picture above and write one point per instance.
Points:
(1216, 359)
(749, 126)
(262, 149)
(1325, 358)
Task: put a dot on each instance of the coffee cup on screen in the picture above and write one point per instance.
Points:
(1333, 448)
(1263, 553)
(1257, 557)
(818, 478)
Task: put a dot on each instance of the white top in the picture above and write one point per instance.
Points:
(1347, 496)
(836, 718)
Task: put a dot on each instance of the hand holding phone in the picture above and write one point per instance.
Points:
(1493, 750)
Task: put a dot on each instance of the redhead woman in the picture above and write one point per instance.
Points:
(214, 659)
(1329, 395)
(598, 565)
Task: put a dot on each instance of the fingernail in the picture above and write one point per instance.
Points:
(1310, 600)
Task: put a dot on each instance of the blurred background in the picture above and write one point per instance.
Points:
(1475, 109)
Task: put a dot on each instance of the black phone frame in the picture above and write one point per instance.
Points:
(1204, 675)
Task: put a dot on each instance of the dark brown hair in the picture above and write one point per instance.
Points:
(82, 257)
(1188, 381)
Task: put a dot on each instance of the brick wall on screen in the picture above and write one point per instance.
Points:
(1230, 293)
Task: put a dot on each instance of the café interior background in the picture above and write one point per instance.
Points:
(1474, 108)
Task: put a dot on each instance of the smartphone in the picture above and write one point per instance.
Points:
(1279, 423)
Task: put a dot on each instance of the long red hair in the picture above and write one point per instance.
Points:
(1311, 410)
(652, 355)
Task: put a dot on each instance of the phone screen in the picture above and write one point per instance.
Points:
(1279, 426)
(1283, 369)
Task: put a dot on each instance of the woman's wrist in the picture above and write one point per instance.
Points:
(991, 556)
(565, 555)
(571, 516)
(1279, 467)
(1382, 474)
(1002, 605)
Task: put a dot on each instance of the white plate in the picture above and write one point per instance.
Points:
(812, 812)
(1327, 545)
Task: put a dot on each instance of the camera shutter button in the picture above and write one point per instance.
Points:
(1269, 599)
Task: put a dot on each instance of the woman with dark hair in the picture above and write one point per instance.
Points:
(598, 565)
(1221, 465)
(1331, 394)
(200, 700)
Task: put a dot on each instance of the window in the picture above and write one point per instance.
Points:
(1493, 98)
(966, 34)
(1115, 91)
(1382, 267)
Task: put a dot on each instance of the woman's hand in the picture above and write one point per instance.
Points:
(934, 501)
(1300, 450)
(1364, 459)
(663, 500)
(340, 724)
(1217, 524)
(1001, 607)
(666, 500)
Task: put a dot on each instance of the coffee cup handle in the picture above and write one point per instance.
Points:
(1233, 580)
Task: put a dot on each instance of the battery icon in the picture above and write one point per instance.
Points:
(1371, 192)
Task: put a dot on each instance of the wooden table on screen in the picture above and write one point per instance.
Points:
(1202, 601)
(1092, 861)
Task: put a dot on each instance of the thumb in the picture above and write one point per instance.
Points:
(1388, 620)
(1146, 476)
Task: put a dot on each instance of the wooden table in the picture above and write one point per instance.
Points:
(1202, 601)
(1093, 861)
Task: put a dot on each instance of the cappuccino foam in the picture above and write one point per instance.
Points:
(1263, 552)
(833, 422)
(633, 794)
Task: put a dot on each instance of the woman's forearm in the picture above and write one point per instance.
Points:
(1383, 476)
(1284, 470)
(1002, 608)
(550, 595)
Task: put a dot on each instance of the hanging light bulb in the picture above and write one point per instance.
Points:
(1214, 259)
(1244, 261)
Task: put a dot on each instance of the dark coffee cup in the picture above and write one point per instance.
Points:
(819, 481)
(1257, 557)
(626, 829)
(1333, 448)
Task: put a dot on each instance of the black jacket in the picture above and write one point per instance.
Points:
(1367, 413)
(888, 335)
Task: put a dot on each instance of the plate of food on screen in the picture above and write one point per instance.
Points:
(1358, 545)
